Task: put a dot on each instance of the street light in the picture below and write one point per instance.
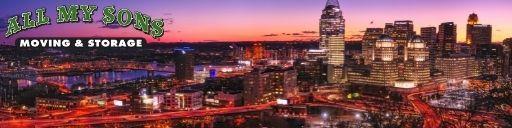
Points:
(358, 115)
(325, 115)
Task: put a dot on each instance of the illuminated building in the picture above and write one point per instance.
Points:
(258, 52)
(316, 54)
(266, 85)
(359, 74)
(310, 73)
(429, 35)
(290, 110)
(472, 20)
(447, 39)
(255, 86)
(457, 67)
(169, 102)
(189, 99)
(50, 104)
(184, 64)
(480, 34)
(370, 36)
(389, 28)
(225, 99)
(417, 61)
(384, 65)
(403, 31)
(332, 39)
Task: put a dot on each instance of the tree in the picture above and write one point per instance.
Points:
(496, 100)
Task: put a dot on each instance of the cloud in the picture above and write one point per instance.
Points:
(296, 34)
(354, 37)
(113, 25)
(270, 35)
(169, 20)
(307, 36)
(309, 32)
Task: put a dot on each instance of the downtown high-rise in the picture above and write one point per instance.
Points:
(417, 61)
(447, 39)
(384, 65)
(429, 35)
(370, 37)
(472, 21)
(332, 39)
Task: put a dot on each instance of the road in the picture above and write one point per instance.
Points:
(43, 123)
(432, 120)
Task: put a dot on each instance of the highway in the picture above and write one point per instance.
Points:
(43, 123)
(431, 119)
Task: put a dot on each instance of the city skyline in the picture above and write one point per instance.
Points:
(262, 21)
(336, 69)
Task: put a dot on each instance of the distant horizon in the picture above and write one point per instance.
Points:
(257, 20)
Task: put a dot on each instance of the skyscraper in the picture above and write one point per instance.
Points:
(447, 39)
(184, 64)
(480, 34)
(416, 61)
(389, 28)
(370, 36)
(472, 20)
(403, 31)
(332, 39)
(429, 35)
(384, 66)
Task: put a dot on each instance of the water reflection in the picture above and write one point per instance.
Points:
(91, 79)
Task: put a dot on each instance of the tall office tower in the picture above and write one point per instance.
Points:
(480, 34)
(384, 66)
(429, 35)
(389, 28)
(370, 36)
(255, 85)
(507, 59)
(447, 39)
(332, 39)
(184, 64)
(416, 61)
(472, 20)
(403, 31)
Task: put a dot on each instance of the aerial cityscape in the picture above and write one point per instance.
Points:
(393, 73)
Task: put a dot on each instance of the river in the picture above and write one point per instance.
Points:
(95, 78)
